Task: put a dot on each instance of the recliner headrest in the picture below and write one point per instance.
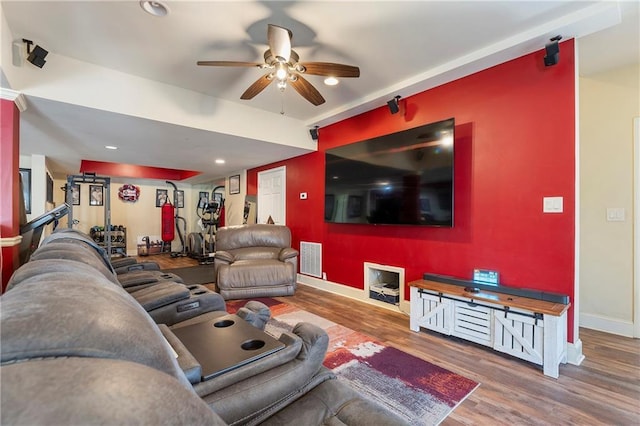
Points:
(258, 235)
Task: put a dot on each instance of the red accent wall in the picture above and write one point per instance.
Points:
(104, 168)
(9, 185)
(514, 145)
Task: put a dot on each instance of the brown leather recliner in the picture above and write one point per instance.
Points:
(255, 261)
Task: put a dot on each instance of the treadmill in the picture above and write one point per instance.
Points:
(31, 232)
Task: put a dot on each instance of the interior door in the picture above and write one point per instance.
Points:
(272, 195)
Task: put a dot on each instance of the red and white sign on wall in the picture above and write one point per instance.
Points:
(129, 193)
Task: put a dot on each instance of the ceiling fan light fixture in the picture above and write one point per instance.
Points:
(281, 72)
(331, 81)
(154, 8)
(283, 67)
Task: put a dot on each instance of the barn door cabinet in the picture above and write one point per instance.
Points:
(530, 329)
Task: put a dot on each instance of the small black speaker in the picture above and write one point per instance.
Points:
(314, 133)
(37, 55)
(553, 54)
(393, 105)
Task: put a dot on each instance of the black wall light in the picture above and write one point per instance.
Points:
(552, 51)
(314, 133)
(394, 104)
(37, 55)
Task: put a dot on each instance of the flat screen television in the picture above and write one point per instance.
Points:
(404, 178)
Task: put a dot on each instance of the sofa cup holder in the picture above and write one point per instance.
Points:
(252, 345)
(223, 323)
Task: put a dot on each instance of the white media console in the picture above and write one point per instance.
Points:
(530, 329)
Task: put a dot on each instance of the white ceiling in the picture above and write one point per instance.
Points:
(118, 76)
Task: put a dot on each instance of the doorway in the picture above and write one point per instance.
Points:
(272, 194)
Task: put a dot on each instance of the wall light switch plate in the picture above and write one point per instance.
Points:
(615, 214)
(552, 204)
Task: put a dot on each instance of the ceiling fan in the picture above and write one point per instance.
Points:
(283, 66)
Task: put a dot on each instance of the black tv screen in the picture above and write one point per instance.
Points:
(404, 178)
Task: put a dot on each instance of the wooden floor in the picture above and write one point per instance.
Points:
(604, 390)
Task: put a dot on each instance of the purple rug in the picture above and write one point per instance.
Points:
(416, 390)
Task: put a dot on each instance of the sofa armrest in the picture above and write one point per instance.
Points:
(334, 402)
(189, 365)
(293, 345)
(287, 253)
(141, 266)
(255, 313)
(161, 294)
(246, 393)
(224, 256)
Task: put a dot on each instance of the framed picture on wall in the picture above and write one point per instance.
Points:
(234, 184)
(25, 176)
(75, 194)
(96, 193)
(178, 199)
(162, 195)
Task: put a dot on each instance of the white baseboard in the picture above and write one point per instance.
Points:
(352, 293)
(574, 352)
(608, 325)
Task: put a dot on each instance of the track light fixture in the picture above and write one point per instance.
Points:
(552, 51)
(37, 55)
(314, 133)
(394, 105)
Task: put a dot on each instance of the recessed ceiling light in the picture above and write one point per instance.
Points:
(154, 8)
(110, 147)
(219, 161)
(331, 81)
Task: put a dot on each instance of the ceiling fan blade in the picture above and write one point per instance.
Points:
(279, 42)
(307, 90)
(257, 87)
(229, 64)
(330, 69)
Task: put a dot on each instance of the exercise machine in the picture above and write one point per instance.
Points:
(209, 211)
(178, 220)
(71, 187)
(31, 232)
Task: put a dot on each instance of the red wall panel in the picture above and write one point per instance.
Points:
(134, 171)
(9, 185)
(514, 145)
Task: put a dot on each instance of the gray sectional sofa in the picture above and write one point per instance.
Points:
(77, 348)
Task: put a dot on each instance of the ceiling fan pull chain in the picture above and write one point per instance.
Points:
(282, 103)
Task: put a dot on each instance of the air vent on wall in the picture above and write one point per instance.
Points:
(311, 259)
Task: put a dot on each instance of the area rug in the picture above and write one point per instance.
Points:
(416, 390)
(200, 274)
